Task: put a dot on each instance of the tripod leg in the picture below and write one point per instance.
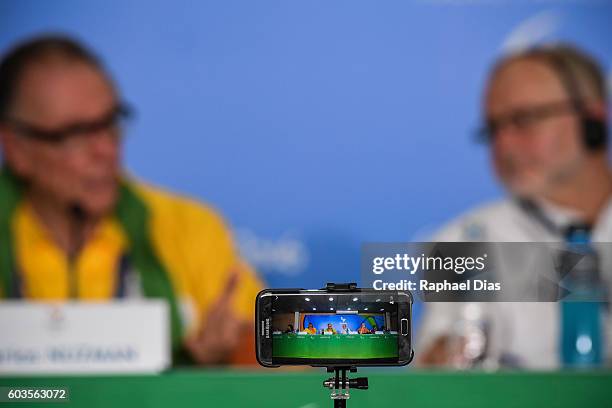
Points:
(340, 403)
(341, 387)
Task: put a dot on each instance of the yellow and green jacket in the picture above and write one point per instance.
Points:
(180, 249)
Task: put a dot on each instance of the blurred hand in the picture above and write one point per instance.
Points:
(444, 351)
(221, 330)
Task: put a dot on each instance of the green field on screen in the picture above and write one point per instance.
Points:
(349, 346)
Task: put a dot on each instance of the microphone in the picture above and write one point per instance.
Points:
(77, 217)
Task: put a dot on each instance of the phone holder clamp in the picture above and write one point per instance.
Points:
(340, 384)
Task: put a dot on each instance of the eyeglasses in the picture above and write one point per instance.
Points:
(74, 133)
(523, 119)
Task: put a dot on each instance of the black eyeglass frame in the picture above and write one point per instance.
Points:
(119, 113)
(525, 117)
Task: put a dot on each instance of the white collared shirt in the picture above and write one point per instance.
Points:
(526, 333)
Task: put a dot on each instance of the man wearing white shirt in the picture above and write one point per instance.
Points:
(545, 112)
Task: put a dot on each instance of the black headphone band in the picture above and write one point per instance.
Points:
(594, 131)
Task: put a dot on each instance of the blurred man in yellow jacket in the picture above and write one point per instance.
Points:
(72, 225)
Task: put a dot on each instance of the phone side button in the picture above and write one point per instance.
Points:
(404, 327)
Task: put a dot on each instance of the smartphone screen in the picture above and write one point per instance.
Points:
(321, 328)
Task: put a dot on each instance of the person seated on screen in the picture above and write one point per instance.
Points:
(344, 329)
(330, 329)
(363, 329)
(310, 329)
(74, 225)
(289, 328)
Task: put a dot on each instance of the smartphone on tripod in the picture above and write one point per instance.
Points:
(336, 326)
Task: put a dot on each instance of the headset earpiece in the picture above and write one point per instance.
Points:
(594, 130)
(594, 133)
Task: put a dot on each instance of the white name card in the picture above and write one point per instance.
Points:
(84, 337)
